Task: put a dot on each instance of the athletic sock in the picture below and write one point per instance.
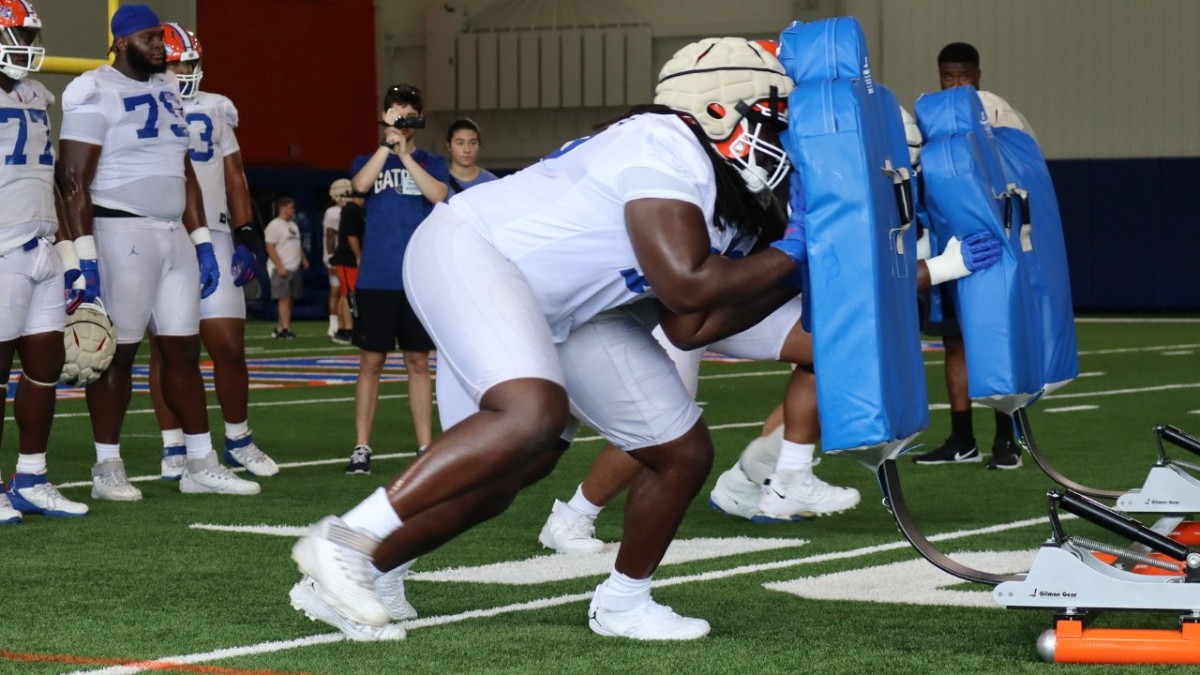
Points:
(172, 437)
(961, 428)
(581, 505)
(198, 445)
(34, 462)
(106, 451)
(1004, 428)
(622, 593)
(333, 322)
(237, 429)
(795, 456)
(375, 515)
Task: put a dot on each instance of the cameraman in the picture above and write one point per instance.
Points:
(401, 184)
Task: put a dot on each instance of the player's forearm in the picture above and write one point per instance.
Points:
(719, 281)
(693, 331)
(237, 191)
(193, 209)
(364, 180)
(65, 231)
(355, 247)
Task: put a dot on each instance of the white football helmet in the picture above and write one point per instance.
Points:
(90, 342)
(184, 47)
(737, 91)
(21, 50)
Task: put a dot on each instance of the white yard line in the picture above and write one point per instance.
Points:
(1070, 408)
(543, 603)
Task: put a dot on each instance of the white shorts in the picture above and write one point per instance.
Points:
(228, 301)
(761, 342)
(31, 292)
(477, 307)
(623, 385)
(149, 277)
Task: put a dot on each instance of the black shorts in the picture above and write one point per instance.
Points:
(385, 320)
(948, 326)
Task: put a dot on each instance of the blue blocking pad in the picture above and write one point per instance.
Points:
(846, 139)
(1037, 230)
(966, 192)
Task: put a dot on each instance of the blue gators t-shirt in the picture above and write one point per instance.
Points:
(395, 207)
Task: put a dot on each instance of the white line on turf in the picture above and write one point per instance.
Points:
(543, 603)
(1182, 352)
(1070, 408)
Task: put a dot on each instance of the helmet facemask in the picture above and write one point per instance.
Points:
(183, 47)
(754, 148)
(189, 83)
(21, 50)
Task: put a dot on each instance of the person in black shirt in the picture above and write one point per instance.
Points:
(345, 257)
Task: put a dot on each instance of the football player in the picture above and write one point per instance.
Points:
(217, 160)
(340, 321)
(130, 192)
(530, 287)
(32, 317)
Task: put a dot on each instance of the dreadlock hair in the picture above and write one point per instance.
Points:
(754, 215)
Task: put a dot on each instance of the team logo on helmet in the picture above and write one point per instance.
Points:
(21, 50)
(736, 91)
(184, 47)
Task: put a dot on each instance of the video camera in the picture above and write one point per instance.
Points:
(405, 123)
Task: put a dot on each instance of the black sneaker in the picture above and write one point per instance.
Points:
(951, 452)
(360, 460)
(283, 334)
(1006, 456)
(342, 337)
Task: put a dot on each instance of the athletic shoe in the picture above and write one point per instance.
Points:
(569, 531)
(283, 334)
(243, 452)
(789, 496)
(8, 515)
(33, 493)
(208, 476)
(390, 587)
(306, 597)
(339, 558)
(342, 337)
(1005, 456)
(647, 621)
(174, 458)
(360, 460)
(110, 482)
(951, 452)
(735, 494)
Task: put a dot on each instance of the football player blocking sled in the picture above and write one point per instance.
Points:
(1017, 322)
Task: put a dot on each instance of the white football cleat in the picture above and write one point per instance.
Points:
(243, 452)
(110, 482)
(569, 531)
(735, 494)
(306, 597)
(390, 587)
(789, 496)
(339, 558)
(208, 476)
(647, 621)
(8, 515)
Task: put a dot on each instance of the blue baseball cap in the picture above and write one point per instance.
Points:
(130, 19)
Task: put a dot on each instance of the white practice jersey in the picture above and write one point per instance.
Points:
(211, 119)
(27, 171)
(1001, 114)
(144, 136)
(331, 221)
(562, 221)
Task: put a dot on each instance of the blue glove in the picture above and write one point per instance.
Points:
(243, 266)
(74, 296)
(795, 238)
(980, 251)
(90, 269)
(210, 273)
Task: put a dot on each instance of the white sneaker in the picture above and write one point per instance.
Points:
(248, 455)
(8, 515)
(174, 458)
(647, 621)
(208, 476)
(110, 482)
(569, 531)
(33, 493)
(390, 587)
(735, 494)
(306, 597)
(798, 495)
(339, 558)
